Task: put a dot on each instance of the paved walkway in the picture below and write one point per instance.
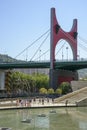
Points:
(26, 103)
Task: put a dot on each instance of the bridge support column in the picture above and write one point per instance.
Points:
(59, 76)
(57, 33)
(2, 80)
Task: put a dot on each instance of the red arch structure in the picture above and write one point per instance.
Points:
(57, 33)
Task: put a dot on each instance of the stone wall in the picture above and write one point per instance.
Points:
(83, 102)
(57, 76)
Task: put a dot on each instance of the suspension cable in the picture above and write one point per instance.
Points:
(39, 47)
(82, 39)
(60, 48)
(85, 41)
(83, 47)
(32, 43)
(42, 54)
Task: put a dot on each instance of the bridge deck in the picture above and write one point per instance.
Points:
(67, 65)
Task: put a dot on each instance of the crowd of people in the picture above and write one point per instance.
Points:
(33, 101)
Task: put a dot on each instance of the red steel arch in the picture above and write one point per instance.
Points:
(58, 33)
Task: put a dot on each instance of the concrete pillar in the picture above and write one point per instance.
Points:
(2, 80)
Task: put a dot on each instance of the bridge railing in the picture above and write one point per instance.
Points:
(43, 61)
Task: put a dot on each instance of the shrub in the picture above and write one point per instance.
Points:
(66, 87)
(43, 90)
(50, 91)
(58, 91)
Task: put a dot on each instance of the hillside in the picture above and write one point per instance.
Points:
(7, 59)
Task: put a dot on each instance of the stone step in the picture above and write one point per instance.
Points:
(73, 97)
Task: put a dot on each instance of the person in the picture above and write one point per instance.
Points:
(39, 100)
(30, 100)
(48, 100)
(34, 99)
(66, 102)
(17, 102)
(42, 101)
(52, 100)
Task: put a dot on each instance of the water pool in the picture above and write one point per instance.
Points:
(45, 119)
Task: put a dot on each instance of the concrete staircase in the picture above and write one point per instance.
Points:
(76, 98)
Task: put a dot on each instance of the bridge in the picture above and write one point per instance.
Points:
(66, 65)
(59, 71)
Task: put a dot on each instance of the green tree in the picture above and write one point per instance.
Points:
(41, 80)
(21, 82)
(66, 87)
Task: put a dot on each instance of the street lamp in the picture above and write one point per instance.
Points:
(26, 54)
(62, 54)
(67, 52)
(39, 55)
(79, 54)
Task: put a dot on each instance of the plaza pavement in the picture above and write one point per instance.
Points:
(24, 103)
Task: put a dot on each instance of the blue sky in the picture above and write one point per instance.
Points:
(23, 21)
